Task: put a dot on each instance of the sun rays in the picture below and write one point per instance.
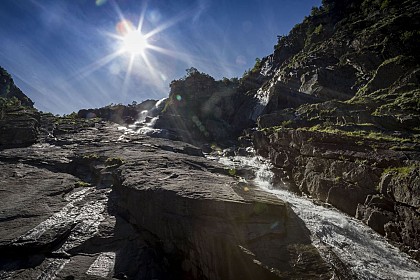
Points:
(132, 39)
(138, 53)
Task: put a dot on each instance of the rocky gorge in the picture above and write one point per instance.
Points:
(135, 192)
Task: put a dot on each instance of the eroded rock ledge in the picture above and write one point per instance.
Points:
(365, 178)
(210, 225)
(94, 203)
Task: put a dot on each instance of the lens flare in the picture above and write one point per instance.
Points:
(133, 41)
(124, 27)
(100, 2)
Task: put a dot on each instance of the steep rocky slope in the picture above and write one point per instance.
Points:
(359, 151)
(8, 89)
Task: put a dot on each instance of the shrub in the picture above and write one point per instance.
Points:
(91, 156)
(79, 184)
(112, 161)
(318, 30)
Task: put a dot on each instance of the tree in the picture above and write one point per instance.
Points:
(192, 71)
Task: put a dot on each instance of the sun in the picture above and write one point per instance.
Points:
(134, 42)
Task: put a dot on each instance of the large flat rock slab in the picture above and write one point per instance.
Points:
(103, 204)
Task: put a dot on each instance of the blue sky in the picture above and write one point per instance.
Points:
(67, 55)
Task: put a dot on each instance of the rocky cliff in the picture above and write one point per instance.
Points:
(359, 148)
(83, 199)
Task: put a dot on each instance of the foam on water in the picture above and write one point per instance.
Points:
(366, 253)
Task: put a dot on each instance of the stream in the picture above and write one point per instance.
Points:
(366, 253)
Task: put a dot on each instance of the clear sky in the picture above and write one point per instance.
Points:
(72, 54)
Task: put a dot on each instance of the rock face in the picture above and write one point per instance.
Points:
(122, 114)
(19, 121)
(360, 176)
(91, 202)
(361, 153)
(200, 109)
(19, 126)
(9, 90)
(210, 225)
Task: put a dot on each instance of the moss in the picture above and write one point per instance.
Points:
(402, 171)
(318, 30)
(9, 102)
(409, 35)
(408, 101)
(81, 184)
(232, 171)
(91, 156)
(359, 134)
(114, 161)
(403, 148)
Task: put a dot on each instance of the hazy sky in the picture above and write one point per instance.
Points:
(68, 54)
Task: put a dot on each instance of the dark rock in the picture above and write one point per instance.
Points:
(18, 127)
(182, 213)
(121, 114)
(9, 90)
(19, 121)
(172, 214)
(333, 168)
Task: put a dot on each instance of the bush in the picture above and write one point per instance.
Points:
(318, 30)
(79, 184)
(114, 161)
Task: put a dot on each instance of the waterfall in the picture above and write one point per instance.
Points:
(366, 253)
(262, 101)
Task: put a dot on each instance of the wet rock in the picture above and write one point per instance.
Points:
(335, 169)
(171, 214)
(254, 228)
(24, 207)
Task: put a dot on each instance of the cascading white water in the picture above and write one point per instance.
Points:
(141, 126)
(367, 254)
(262, 96)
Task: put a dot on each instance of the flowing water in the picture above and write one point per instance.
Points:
(367, 254)
(82, 214)
(262, 101)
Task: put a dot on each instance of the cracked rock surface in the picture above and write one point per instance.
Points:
(94, 203)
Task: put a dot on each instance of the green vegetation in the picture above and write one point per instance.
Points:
(232, 171)
(403, 148)
(402, 171)
(256, 69)
(71, 116)
(318, 30)
(409, 35)
(91, 156)
(9, 102)
(114, 161)
(359, 134)
(408, 102)
(374, 5)
(82, 184)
